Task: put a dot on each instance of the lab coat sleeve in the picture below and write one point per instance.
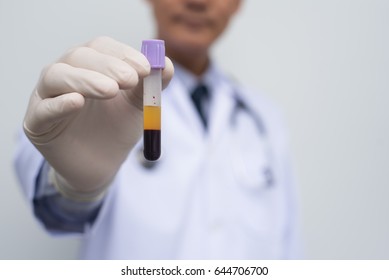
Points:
(279, 137)
(293, 248)
(56, 213)
(293, 243)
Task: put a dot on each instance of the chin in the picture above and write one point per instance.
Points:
(190, 45)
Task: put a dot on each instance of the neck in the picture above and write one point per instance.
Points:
(196, 63)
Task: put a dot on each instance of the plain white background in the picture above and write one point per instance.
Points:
(325, 62)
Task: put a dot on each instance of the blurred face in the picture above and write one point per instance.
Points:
(192, 26)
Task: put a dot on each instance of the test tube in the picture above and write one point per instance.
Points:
(154, 50)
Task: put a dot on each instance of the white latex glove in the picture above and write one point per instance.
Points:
(85, 114)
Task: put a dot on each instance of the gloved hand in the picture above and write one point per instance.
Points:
(85, 114)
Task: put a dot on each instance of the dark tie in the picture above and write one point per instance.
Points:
(200, 97)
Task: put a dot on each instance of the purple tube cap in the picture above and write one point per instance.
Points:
(154, 50)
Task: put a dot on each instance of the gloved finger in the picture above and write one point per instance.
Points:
(167, 73)
(50, 111)
(131, 56)
(61, 78)
(87, 58)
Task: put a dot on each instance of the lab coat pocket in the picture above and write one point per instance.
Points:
(255, 183)
(251, 161)
(258, 214)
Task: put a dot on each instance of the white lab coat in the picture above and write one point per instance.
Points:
(196, 203)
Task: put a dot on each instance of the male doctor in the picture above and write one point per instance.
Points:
(223, 188)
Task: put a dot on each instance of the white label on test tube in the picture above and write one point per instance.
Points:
(152, 87)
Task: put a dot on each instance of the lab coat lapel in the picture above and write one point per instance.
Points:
(176, 99)
(222, 107)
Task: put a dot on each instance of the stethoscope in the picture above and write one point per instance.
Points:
(264, 177)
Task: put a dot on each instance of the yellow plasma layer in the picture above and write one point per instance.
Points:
(152, 117)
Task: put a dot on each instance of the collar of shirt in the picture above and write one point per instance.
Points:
(189, 81)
